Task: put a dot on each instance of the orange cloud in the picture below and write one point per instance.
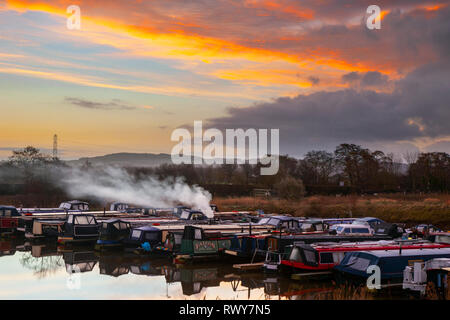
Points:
(149, 41)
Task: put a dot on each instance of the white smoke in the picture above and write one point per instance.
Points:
(116, 184)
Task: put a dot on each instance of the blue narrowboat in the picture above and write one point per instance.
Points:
(354, 265)
(146, 238)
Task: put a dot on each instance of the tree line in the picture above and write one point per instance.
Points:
(349, 169)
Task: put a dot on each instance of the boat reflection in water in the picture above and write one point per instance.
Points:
(153, 277)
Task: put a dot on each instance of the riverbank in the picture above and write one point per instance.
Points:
(409, 209)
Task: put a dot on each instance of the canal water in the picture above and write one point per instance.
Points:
(48, 272)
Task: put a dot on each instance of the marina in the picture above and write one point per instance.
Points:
(181, 253)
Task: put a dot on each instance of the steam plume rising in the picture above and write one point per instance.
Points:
(116, 184)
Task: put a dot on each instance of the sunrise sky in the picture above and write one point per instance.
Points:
(139, 69)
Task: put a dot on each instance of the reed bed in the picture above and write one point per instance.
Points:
(408, 209)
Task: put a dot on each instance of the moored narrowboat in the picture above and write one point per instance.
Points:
(143, 239)
(198, 244)
(8, 219)
(44, 229)
(79, 229)
(323, 257)
(112, 233)
(392, 263)
(279, 246)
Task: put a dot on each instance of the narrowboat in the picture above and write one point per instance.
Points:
(68, 206)
(341, 229)
(280, 246)
(417, 276)
(281, 222)
(198, 244)
(74, 205)
(193, 215)
(79, 228)
(392, 263)
(143, 239)
(255, 246)
(423, 230)
(118, 206)
(439, 237)
(325, 256)
(112, 233)
(248, 246)
(9, 219)
(44, 229)
(381, 227)
(178, 210)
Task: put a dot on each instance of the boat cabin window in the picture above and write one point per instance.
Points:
(78, 206)
(310, 256)
(136, 234)
(184, 215)
(296, 255)
(359, 263)
(290, 224)
(326, 257)
(85, 220)
(319, 227)
(338, 256)
(347, 230)
(178, 237)
(306, 226)
(198, 234)
(70, 219)
(273, 222)
(442, 239)
(7, 213)
(151, 236)
(118, 225)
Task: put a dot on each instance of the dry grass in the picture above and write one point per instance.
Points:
(409, 209)
(432, 294)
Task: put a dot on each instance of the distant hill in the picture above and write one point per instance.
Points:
(126, 159)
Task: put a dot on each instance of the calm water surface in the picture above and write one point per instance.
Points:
(46, 272)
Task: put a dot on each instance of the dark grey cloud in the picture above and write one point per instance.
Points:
(418, 107)
(366, 79)
(114, 104)
(314, 80)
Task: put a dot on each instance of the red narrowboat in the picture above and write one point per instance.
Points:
(324, 256)
(8, 219)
